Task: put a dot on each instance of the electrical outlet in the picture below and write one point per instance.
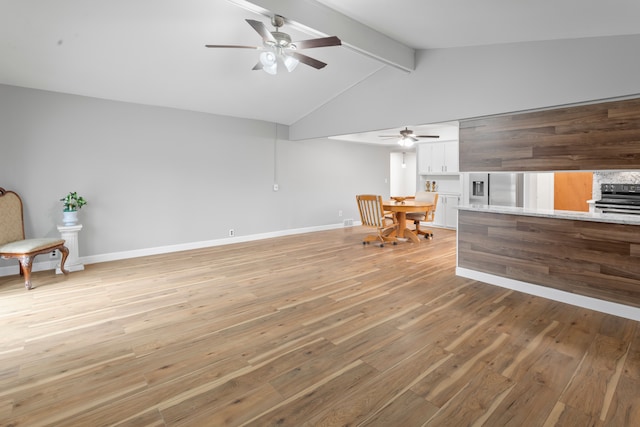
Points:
(232, 232)
(275, 187)
(339, 213)
(53, 254)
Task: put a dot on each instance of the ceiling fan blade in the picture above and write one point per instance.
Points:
(262, 30)
(321, 42)
(231, 46)
(427, 136)
(308, 60)
(390, 136)
(413, 138)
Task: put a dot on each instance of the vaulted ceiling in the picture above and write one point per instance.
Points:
(152, 51)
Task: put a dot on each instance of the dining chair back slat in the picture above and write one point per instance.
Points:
(372, 214)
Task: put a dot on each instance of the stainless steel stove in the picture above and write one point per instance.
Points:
(619, 198)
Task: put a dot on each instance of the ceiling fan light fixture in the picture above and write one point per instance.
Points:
(405, 142)
(278, 48)
(290, 62)
(269, 62)
(268, 58)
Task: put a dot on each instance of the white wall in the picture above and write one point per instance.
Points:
(156, 177)
(403, 179)
(458, 83)
(539, 190)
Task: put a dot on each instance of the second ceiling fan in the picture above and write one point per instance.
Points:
(407, 138)
(278, 48)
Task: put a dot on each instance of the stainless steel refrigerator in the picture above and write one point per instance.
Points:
(499, 189)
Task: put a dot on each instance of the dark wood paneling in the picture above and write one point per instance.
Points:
(599, 260)
(588, 137)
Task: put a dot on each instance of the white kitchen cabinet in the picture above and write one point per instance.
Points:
(451, 211)
(447, 211)
(424, 158)
(451, 157)
(439, 219)
(438, 158)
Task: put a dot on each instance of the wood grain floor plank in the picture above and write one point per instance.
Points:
(306, 330)
(240, 410)
(327, 392)
(461, 367)
(378, 392)
(624, 406)
(476, 399)
(523, 405)
(408, 409)
(587, 390)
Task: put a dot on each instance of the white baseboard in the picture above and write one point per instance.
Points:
(37, 266)
(608, 307)
(114, 256)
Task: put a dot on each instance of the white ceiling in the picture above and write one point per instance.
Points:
(152, 51)
(445, 131)
(429, 24)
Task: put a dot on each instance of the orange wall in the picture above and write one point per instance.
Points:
(572, 190)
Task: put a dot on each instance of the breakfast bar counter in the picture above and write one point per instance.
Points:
(582, 258)
(549, 213)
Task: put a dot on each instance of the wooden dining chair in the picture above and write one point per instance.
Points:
(12, 239)
(372, 214)
(428, 216)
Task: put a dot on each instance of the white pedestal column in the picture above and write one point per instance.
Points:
(70, 234)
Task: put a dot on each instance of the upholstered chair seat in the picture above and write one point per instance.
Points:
(12, 239)
(429, 216)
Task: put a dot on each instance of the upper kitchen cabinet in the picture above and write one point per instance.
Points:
(438, 158)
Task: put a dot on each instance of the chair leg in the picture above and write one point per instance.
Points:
(388, 239)
(25, 268)
(370, 238)
(65, 254)
(428, 234)
(381, 238)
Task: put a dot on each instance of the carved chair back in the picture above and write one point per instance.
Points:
(11, 220)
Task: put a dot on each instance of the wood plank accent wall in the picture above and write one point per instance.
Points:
(599, 260)
(603, 136)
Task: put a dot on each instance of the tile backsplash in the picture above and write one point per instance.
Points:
(613, 177)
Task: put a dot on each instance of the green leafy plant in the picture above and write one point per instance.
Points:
(73, 202)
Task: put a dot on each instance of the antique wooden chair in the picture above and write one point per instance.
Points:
(12, 240)
(418, 217)
(372, 215)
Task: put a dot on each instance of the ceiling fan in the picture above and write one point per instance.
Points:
(407, 138)
(278, 48)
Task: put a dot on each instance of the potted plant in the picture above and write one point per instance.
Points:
(71, 202)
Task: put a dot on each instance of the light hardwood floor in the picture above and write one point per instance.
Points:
(312, 329)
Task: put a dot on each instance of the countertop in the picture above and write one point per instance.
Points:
(549, 213)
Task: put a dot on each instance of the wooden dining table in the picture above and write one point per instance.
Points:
(400, 210)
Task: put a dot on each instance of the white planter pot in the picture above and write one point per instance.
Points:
(70, 217)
